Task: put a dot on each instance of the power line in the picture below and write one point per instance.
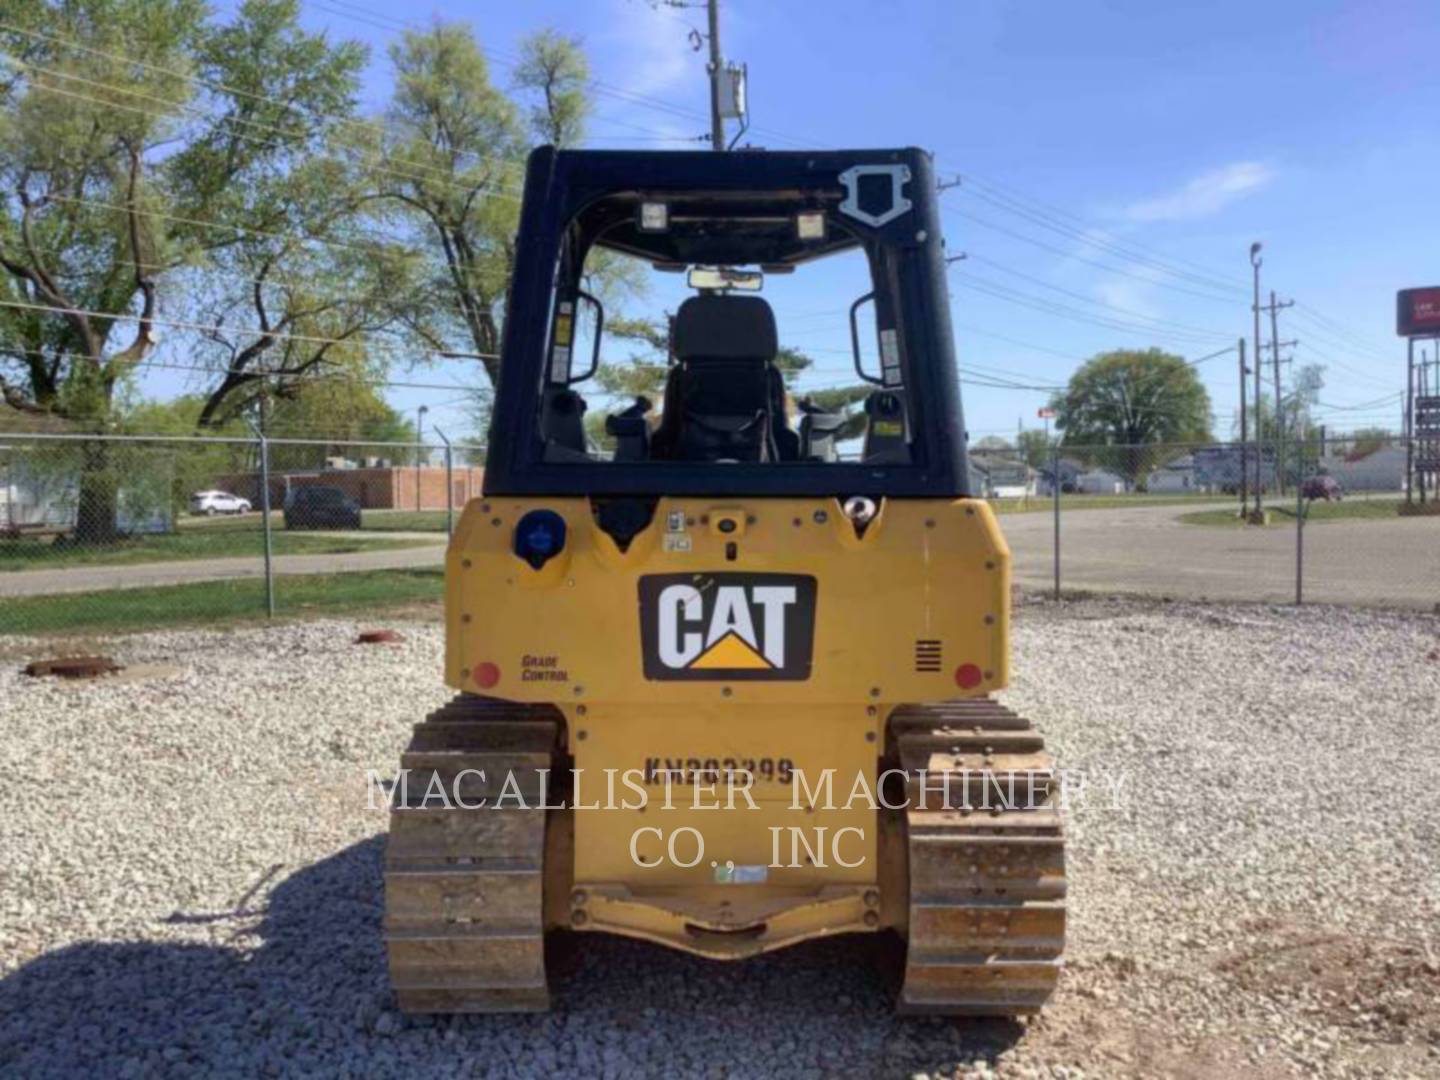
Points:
(278, 282)
(9, 349)
(396, 384)
(371, 248)
(1119, 271)
(1353, 372)
(368, 17)
(1319, 328)
(1364, 405)
(381, 169)
(1051, 218)
(214, 86)
(1048, 307)
(1129, 251)
(1106, 245)
(204, 328)
(1340, 330)
(972, 257)
(970, 328)
(337, 119)
(272, 128)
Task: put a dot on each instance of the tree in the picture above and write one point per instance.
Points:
(1120, 405)
(80, 244)
(1366, 441)
(79, 238)
(191, 465)
(298, 282)
(844, 400)
(449, 154)
(1299, 432)
(124, 177)
(1034, 445)
(555, 68)
(337, 411)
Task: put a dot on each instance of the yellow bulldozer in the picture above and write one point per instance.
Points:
(723, 661)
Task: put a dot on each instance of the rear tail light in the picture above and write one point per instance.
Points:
(968, 676)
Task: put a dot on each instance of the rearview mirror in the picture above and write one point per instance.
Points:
(724, 277)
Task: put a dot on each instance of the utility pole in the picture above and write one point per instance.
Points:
(1244, 437)
(717, 124)
(1275, 345)
(1255, 262)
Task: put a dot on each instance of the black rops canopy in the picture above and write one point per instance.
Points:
(883, 200)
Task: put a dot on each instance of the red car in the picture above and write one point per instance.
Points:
(1322, 487)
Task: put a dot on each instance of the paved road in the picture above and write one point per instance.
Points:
(1142, 549)
(1146, 549)
(85, 578)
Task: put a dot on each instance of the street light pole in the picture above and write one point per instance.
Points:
(1255, 262)
(1244, 437)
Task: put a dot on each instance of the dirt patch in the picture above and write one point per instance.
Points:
(1387, 989)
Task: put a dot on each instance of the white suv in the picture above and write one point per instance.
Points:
(218, 502)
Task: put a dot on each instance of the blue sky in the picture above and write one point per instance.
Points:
(1118, 159)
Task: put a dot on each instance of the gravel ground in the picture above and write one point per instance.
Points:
(190, 881)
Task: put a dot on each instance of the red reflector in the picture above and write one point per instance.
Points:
(968, 676)
(486, 675)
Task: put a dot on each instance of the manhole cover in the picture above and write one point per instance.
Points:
(73, 667)
(378, 637)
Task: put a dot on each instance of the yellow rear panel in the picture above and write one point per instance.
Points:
(924, 572)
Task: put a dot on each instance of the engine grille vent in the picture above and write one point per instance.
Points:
(927, 655)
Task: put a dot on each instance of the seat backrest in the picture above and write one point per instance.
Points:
(717, 326)
(719, 397)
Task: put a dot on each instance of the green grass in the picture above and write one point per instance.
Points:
(233, 538)
(1283, 516)
(154, 607)
(370, 521)
(1046, 503)
(406, 520)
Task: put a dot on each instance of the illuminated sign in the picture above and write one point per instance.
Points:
(1417, 312)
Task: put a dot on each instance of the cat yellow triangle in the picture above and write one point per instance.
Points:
(730, 653)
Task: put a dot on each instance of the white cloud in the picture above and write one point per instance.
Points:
(1207, 194)
(643, 53)
(659, 60)
(1134, 296)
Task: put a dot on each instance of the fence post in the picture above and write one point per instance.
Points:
(1299, 532)
(1055, 490)
(449, 484)
(265, 518)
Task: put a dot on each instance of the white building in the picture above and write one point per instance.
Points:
(1382, 470)
(31, 498)
(1099, 482)
(1173, 478)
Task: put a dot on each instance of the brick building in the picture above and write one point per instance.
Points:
(392, 487)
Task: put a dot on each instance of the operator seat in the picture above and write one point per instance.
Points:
(724, 398)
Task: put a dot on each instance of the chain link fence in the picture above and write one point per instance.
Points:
(1325, 521)
(103, 533)
(115, 532)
